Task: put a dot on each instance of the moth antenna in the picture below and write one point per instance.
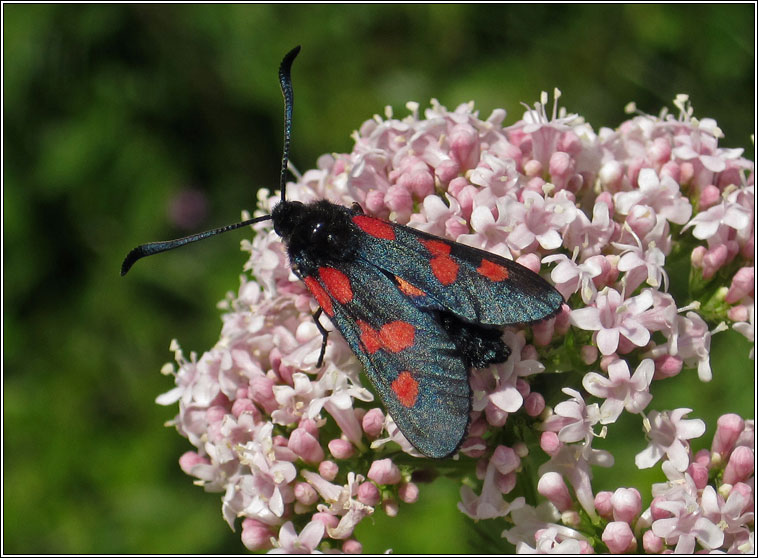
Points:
(162, 246)
(285, 81)
(157, 247)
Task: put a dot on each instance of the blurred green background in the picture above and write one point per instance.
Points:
(125, 124)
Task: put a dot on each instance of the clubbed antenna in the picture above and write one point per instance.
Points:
(285, 81)
(157, 247)
(162, 246)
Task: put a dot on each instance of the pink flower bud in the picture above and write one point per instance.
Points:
(495, 415)
(523, 387)
(328, 470)
(611, 174)
(686, 172)
(262, 388)
(408, 492)
(399, 199)
(742, 285)
(310, 426)
(709, 196)
(713, 260)
(190, 459)
(374, 203)
(532, 168)
(728, 429)
(529, 352)
(550, 443)
(552, 487)
(351, 546)
(667, 366)
(530, 261)
(740, 465)
(368, 494)
(256, 535)
(478, 427)
(561, 165)
(652, 543)
(341, 449)
(521, 449)
(305, 493)
(245, 405)
(641, 220)
(660, 151)
(588, 354)
(465, 198)
(739, 313)
(373, 422)
(698, 253)
(505, 483)
(447, 170)
(384, 471)
(215, 414)
(464, 146)
(627, 504)
(543, 332)
(671, 169)
(505, 459)
(746, 491)
(703, 457)
(390, 507)
(699, 474)
(305, 446)
(618, 537)
(603, 504)
(534, 404)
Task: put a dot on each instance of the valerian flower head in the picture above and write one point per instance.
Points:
(302, 454)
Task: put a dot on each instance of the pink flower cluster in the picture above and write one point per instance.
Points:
(302, 454)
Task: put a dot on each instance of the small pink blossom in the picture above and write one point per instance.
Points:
(619, 390)
(661, 194)
(614, 319)
(667, 433)
(290, 542)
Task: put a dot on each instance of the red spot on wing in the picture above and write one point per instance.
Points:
(337, 284)
(320, 295)
(369, 337)
(408, 289)
(396, 336)
(405, 387)
(375, 227)
(437, 247)
(492, 271)
(444, 269)
(443, 266)
(393, 337)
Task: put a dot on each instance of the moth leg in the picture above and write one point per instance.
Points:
(324, 334)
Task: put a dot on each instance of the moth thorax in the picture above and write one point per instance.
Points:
(321, 230)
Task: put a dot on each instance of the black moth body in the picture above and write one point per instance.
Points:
(418, 311)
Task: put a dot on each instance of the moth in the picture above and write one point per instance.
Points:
(419, 311)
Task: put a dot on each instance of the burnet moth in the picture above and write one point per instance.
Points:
(419, 311)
